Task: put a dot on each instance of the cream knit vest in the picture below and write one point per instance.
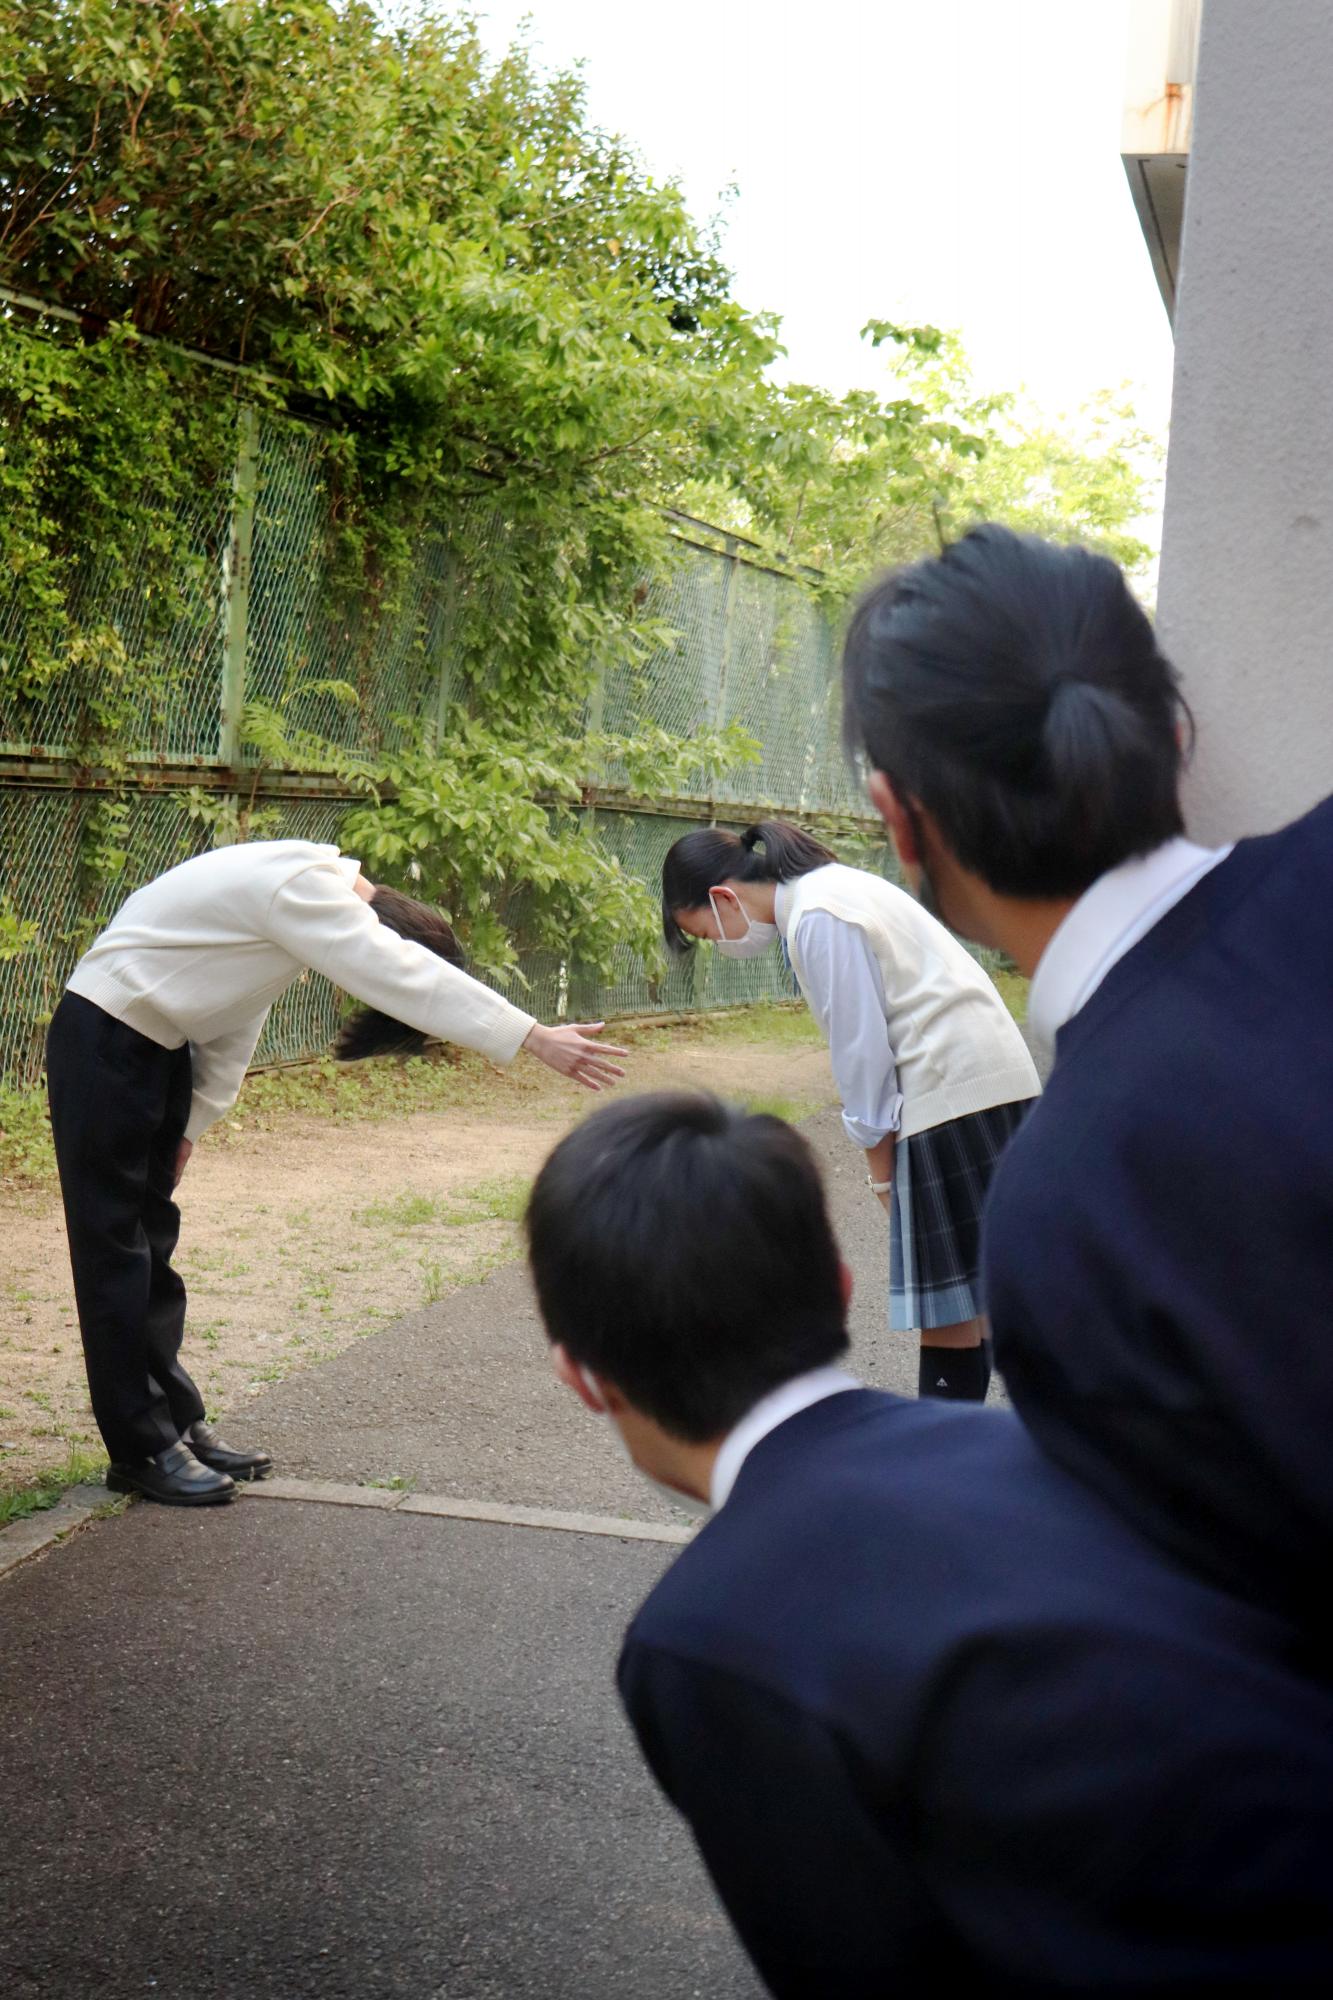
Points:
(955, 1045)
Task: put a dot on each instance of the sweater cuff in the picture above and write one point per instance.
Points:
(505, 1038)
(201, 1117)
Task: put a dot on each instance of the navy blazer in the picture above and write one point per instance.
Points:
(1158, 1258)
(932, 1710)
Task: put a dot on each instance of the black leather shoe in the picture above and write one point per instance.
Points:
(212, 1450)
(175, 1477)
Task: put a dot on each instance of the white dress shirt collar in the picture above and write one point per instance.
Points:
(787, 1400)
(1107, 921)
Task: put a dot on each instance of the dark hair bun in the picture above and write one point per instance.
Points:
(752, 837)
(1089, 733)
(1015, 689)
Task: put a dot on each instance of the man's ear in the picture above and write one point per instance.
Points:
(896, 818)
(586, 1387)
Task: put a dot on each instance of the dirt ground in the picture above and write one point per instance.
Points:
(303, 1232)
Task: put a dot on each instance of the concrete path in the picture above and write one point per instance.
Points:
(291, 1750)
(296, 1748)
(459, 1398)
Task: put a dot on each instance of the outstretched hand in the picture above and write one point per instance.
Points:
(569, 1051)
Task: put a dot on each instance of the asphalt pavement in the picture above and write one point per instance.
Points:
(281, 1750)
(459, 1398)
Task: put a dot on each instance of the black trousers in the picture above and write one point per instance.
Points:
(119, 1105)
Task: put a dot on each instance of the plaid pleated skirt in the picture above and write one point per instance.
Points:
(940, 1178)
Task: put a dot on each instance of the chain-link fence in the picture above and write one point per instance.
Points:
(254, 621)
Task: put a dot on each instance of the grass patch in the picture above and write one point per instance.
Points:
(478, 1273)
(42, 1492)
(789, 1024)
(1014, 993)
(502, 1199)
(792, 1109)
(401, 1211)
(26, 1149)
(384, 1088)
(434, 1282)
(347, 1093)
(780, 1023)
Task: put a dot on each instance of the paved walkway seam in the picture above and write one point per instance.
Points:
(444, 1506)
(77, 1505)
(22, 1540)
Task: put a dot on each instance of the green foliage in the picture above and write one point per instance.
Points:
(503, 1199)
(856, 483)
(402, 1211)
(1089, 478)
(788, 1024)
(1013, 989)
(842, 483)
(18, 936)
(486, 825)
(26, 1150)
(42, 1493)
(503, 339)
(488, 297)
(511, 336)
(104, 449)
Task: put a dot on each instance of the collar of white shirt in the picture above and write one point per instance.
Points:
(1107, 921)
(771, 1410)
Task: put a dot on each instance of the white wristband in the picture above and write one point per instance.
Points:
(878, 1187)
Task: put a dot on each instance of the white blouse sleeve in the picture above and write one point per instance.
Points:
(845, 991)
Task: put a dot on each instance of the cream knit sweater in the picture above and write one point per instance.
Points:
(201, 954)
(955, 1045)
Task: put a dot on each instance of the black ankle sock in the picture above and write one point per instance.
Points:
(955, 1374)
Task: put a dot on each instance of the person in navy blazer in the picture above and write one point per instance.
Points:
(930, 1708)
(1157, 1259)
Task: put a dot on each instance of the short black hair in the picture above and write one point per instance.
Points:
(368, 1032)
(682, 1250)
(1015, 689)
(773, 850)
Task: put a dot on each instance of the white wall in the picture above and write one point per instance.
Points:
(1245, 606)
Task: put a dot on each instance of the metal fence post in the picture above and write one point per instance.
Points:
(449, 634)
(705, 963)
(724, 649)
(719, 716)
(236, 560)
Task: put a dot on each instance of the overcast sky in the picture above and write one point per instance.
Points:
(952, 161)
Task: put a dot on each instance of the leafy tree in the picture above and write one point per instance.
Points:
(504, 331)
(854, 483)
(1090, 477)
(503, 327)
(486, 297)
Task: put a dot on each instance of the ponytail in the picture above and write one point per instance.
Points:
(1015, 690)
(712, 855)
(788, 852)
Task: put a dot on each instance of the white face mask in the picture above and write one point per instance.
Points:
(687, 1502)
(756, 941)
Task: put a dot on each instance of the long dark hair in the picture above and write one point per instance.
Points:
(370, 1033)
(1015, 689)
(702, 860)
